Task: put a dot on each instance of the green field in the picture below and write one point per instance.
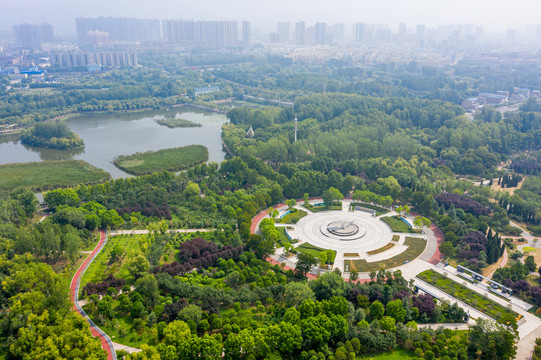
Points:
(313, 250)
(100, 267)
(177, 123)
(293, 217)
(175, 159)
(397, 225)
(416, 246)
(49, 174)
(459, 291)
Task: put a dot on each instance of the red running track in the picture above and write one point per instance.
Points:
(106, 342)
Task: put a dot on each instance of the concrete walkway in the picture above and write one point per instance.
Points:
(127, 348)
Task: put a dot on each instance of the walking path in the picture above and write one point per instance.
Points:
(106, 342)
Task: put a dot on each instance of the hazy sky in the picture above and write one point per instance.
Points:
(264, 14)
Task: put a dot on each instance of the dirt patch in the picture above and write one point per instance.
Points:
(511, 191)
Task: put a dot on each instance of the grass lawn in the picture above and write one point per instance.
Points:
(379, 210)
(392, 355)
(472, 298)
(283, 237)
(100, 267)
(335, 206)
(416, 246)
(397, 225)
(313, 250)
(177, 123)
(381, 249)
(293, 217)
(175, 159)
(49, 174)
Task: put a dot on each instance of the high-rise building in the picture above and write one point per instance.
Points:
(274, 38)
(338, 32)
(98, 38)
(402, 33)
(321, 33)
(360, 33)
(300, 33)
(284, 31)
(32, 36)
(119, 29)
(203, 34)
(104, 58)
(246, 34)
(420, 35)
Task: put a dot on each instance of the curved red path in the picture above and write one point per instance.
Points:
(440, 238)
(106, 343)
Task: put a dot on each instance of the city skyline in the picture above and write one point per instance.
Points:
(495, 14)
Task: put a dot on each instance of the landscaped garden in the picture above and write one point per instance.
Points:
(315, 208)
(416, 246)
(381, 249)
(398, 225)
(293, 217)
(472, 298)
(379, 210)
(310, 249)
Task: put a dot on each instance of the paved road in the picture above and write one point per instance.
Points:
(106, 342)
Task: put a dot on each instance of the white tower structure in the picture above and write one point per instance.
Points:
(295, 127)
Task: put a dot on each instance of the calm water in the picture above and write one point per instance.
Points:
(109, 135)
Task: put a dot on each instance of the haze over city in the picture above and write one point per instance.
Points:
(493, 15)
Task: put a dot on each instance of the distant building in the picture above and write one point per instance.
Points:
(102, 58)
(202, 34)
(471, 104)
(119, 29)
(205, 90)
(321, 33)
(492, 99)
(32, 36)
(98, 38)
(246, 34)
(360, 33)
(300, 33)
(274, 38)
(283, 29)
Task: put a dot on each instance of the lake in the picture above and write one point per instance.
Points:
(107, 136)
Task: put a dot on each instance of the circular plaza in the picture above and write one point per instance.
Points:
(360, 240)
(352, 231)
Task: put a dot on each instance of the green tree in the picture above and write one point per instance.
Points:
(55, 198)
(396, 310)
(328, 285)
(176, 333)
(376, 310)
(304, 264)
(387, 323)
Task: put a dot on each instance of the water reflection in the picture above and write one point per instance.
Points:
(107, 136)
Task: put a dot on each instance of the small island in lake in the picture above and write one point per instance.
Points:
(175, 159)
(177, 123)
(52, 135)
